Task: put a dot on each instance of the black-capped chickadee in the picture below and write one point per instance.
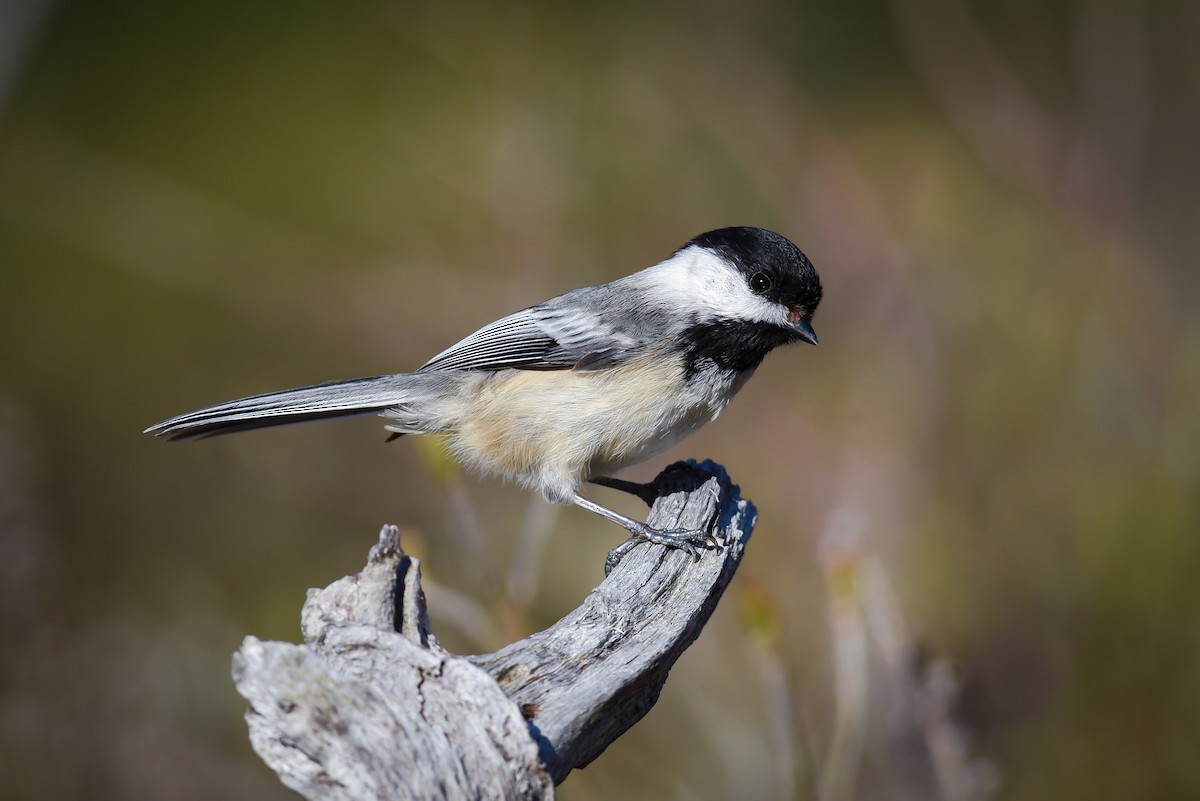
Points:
(589, 382)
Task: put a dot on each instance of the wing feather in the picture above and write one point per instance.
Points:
(566, 333)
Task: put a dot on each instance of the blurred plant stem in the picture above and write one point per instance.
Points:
(884, 698)
(463, 612)
(842, 561)
(759, 615)
(464, 527)
(521, 585)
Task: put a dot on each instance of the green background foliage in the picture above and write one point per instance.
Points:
(1001, 427)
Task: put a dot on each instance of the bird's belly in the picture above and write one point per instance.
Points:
(553, 430)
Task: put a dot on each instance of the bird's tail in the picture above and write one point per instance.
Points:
(416, 394)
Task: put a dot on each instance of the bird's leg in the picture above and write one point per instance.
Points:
(677, 477)
(686, 541)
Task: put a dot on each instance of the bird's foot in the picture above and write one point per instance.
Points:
(690, 542)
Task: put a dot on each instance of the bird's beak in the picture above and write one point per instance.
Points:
(804, 328)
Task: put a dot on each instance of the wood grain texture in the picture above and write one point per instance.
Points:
(372, 707)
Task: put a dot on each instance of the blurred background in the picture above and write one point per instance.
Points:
(974, 572)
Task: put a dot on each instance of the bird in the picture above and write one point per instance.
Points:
(582, 385)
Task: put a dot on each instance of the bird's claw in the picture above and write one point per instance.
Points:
(684, 540)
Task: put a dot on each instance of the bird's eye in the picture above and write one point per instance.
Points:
(760, 282)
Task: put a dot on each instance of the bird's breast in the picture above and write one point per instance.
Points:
(562, 427)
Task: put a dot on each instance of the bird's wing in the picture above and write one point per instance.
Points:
(566, 333)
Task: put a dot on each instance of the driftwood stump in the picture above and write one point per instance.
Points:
(372, 707)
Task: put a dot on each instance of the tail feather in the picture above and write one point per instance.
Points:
(320, 402)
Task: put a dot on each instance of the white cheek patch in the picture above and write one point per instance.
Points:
(700, 280)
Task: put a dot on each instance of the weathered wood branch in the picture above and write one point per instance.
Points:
(372, 707)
